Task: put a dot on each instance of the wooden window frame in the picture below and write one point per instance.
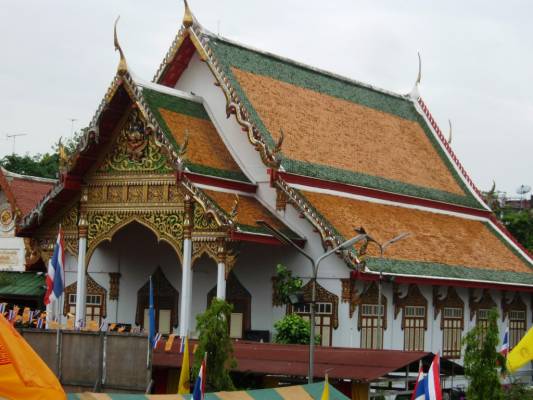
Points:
(92, 289)
(321, 315)
(367, 322)
(452, 326)
(414, 326)
(515, 311)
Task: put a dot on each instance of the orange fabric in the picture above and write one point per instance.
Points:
(23, 374)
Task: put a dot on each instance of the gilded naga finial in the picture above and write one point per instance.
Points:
(63, 157)
(188, 18)
(415, 91)
(122, 66)
(235, 208)
(279, 143)
(450, 132)
(185, 145)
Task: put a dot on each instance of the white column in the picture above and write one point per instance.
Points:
(81, 281)
(221, 280)
(186, 270)
(186, 283)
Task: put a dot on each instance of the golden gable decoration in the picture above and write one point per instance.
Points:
(451, 300)
(350, 294)
(135, 149)
(413, 297)
(322, 296)
(516, 304)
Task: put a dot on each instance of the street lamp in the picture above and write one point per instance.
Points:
(315, 264)
(382, 248)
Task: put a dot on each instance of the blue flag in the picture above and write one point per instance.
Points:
(151, 312)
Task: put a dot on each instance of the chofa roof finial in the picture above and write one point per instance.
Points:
(122, 66)
(450, 132)
(188, 18)
(415, 94)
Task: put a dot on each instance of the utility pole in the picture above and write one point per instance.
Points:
(14, 137)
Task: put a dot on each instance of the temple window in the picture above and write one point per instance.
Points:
(323, 319)
(452, 328)
(368, 317)
(95, 300)
(515, 312)
(414, 321)
(451, 307)
(165, 303)
(414, 316)
(241, 300)
(326, 311)
(517, 326)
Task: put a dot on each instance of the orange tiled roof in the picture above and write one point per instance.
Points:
(206, 152)
(249, 210)
(436, 238)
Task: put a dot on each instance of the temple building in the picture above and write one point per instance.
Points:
(172, 176)
(21, 270)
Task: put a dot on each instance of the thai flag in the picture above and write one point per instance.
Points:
(11, 315)
(151, 313)
(55, 277)
(199, 386)
(504, 349)
(40, 323)
(433, 390)
(419, 393)
(3, 308)
(157, 339)
(182, 344)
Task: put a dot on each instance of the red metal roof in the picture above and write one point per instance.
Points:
(339, 362)
(24, 192)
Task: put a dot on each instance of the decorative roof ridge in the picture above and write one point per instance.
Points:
(4, 184)
(299, 64)
(27, 177)
(446, 144)
(220, 182)
(329, 235)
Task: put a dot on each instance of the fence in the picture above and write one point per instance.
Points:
(96, 360)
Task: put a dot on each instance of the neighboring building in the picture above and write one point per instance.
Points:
(172, 176)
(19, 194)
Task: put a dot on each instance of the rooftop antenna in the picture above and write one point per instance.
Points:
(14, 136)
(523, 190)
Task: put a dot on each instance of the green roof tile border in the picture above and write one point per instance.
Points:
(436, 270)
(512, 248)
(157, 100)
(262, 64)
(22, 283)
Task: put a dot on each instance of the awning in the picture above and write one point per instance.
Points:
(292, 360)
(302, 392)
(21, 284)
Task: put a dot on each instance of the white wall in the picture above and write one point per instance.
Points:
(11, 247)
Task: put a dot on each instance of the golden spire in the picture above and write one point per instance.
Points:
(188, 18)
(122, 66)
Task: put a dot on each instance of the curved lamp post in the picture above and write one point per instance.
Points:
(315, 263)
(382, 248)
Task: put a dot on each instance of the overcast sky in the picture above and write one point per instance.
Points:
(477, 62)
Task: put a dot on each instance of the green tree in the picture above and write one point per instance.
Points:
(520, 224)
(482, 361)
(41, 165)
(285, 284)
(293, 329)
(214, 341)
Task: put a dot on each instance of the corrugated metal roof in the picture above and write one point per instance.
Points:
(301, 392)
(22, 283)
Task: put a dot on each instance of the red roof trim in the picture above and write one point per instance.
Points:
(365, 276)
(221, 183)
(179, 63)
(378, 194)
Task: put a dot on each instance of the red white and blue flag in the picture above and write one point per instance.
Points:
(433, 390)
(199, 386)
(157, 339)
(56, 276)
(504, 349)
(419, 393)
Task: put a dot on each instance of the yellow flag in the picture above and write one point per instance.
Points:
(325, 391)
(184, 386)
(170, 342)
(26, 315)
(23, 375)
(521, 353)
